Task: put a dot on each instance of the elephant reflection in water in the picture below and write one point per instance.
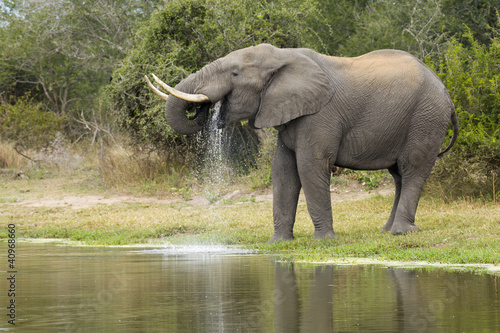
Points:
(316, 314)
(414, 314)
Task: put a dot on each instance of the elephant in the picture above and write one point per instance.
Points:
(382, 110)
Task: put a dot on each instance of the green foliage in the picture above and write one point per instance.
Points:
(372, 179)
(183, 37)
(479, 17)
(472, 167)
(27, 124)
(334, 23)
(63, 51)
(413, 26)
(421, 27)
(472, 76)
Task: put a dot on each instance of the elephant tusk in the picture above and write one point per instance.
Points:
(155, 90)
(195, 98)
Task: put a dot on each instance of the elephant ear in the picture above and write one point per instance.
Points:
(297, 88)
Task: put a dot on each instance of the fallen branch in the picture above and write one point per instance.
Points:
(29, 158)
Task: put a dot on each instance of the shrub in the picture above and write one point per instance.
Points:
(472, 76)
(9, 158)
(471, 168)
(25, 123)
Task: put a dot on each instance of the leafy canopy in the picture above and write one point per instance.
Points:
(63, 51)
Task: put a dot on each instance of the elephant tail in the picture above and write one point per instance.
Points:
(454, 122)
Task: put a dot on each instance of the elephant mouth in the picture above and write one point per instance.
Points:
(217, 112)
(200, 111)
(221, 113)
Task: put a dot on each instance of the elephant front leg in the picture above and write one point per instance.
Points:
(315, 179)
(286, 189)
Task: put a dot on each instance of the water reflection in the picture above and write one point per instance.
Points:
(209, 289)
(316, 314)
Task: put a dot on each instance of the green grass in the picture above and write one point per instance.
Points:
(455, 232)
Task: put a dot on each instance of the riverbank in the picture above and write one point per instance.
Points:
(65, 207)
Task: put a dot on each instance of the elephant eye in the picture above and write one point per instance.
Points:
(234, 74)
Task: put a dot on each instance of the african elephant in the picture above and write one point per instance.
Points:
(382, 110)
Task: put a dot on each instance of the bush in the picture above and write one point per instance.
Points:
(25, 123)
(472, 76)
(471, 168)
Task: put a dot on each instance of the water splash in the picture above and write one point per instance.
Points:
(212, 249)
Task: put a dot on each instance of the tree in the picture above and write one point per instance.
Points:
(421, 27)
(413, 26)
(471, 73)
(335, 22)
(63, 51)
(479, 17)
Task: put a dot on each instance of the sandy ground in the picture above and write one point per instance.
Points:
(78, 201)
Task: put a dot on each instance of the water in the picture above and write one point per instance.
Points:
(215, 168)
(225, 289)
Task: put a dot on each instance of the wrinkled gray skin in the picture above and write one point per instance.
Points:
(382, 110)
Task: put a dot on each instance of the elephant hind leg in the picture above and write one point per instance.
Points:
(418, 155)
(412, 183)
(397, 183)
(404, 220)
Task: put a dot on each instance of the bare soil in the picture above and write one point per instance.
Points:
(52, 194)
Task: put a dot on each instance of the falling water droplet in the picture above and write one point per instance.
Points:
(215, 167)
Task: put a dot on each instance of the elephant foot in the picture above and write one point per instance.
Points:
(324, 234)
(386, 227)
(403, 228)
(280, 238)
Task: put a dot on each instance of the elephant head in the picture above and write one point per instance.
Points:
(263, 84)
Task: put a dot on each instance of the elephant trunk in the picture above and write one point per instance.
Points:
(175, 111)
(198, 91)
